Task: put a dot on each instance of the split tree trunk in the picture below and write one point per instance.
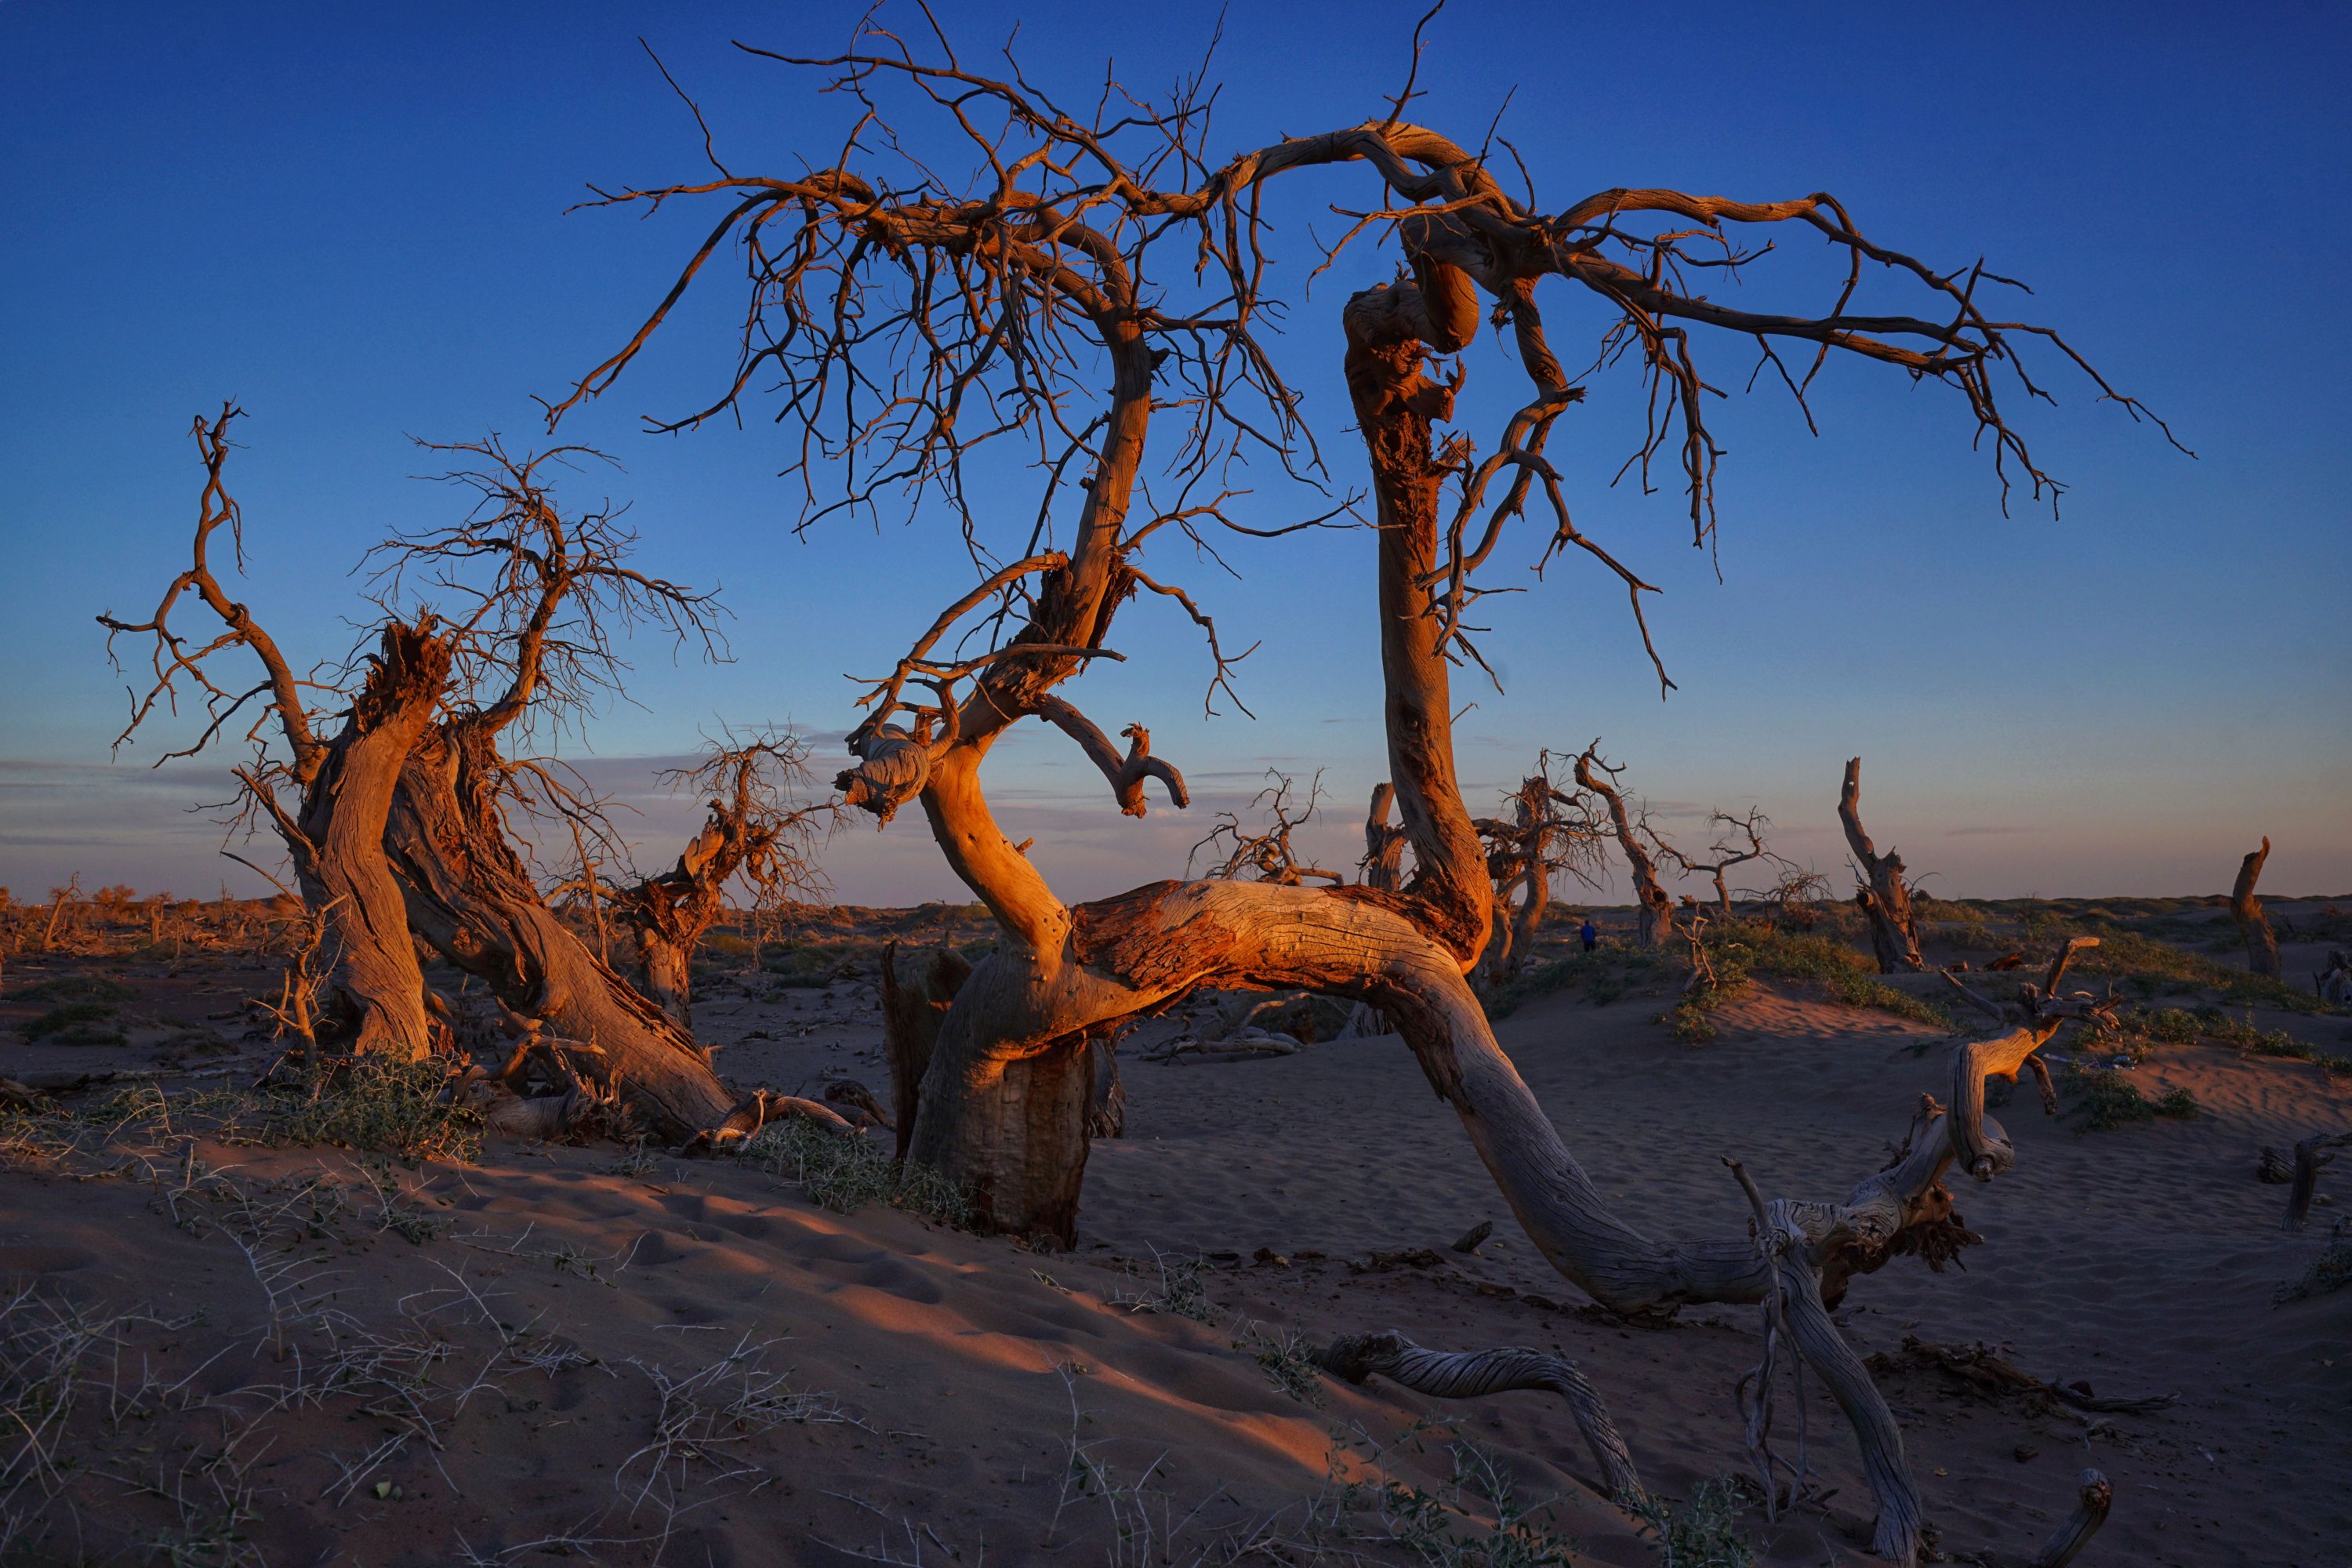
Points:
(2262, 945)
(471, 897)
(373, 998)
(1884, 896)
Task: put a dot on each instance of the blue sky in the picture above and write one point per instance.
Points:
(353, 222)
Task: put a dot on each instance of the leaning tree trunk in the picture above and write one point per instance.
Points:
(470, 895)
(2262, 945)
(1653, 911)
(1883, 895)
(373, 998)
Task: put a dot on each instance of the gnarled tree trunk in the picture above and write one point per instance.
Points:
(469, 896)
(2261, 946)
(372, 999)
(1883, 895)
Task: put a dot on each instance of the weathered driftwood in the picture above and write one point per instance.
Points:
(1981, 1368)
(2092, 1498)
(1471, 1374)
(1883, 895)
(850, 1092)
(2310, 1155)
(2261, 943)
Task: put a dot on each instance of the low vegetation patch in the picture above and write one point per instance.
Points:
(1700, 1531)
(379, 1105)
(75, 1024)
(845, 1174)
(2105, 1099)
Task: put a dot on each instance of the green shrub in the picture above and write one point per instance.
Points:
(75, 1024)
(379, 1104)
(1703, 1532)
(2105, 1099)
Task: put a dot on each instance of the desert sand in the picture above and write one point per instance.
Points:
(315, 1356)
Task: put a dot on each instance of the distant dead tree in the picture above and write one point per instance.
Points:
(548, 591)
(981, 305)
(1881, 891)
(328, 793)
(1383, 866)
(756, 834)
(1547, 831)
(1638, 842)
(2262, 944)
(1738, 841)
(1796, 895)
(1266, 855)
(2333, 985)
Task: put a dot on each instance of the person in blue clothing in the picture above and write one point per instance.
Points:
(1589, 934)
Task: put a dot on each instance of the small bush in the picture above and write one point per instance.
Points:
(1702, 1533)
(1288, 1360)
(75, 1024)
(2105, 1099)
(381, 1105)
(845, 1173)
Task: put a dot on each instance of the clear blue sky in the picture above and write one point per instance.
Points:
(352, 221)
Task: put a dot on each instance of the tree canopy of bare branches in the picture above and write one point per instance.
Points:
(328, 793)
(1070, 280)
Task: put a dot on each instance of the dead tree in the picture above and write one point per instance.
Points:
(550, 591)
(1880, 889)
(1738, 841)
(1005, 293)
(1267, 856)
(328, 793)
(1547, 831)
(2262, 945)
(1653, 911)
(1383, 866)
(754, 833)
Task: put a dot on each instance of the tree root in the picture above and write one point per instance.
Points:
(1977, 1367)
(1466, 1374)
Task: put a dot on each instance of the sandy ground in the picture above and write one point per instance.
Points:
(652, 1359)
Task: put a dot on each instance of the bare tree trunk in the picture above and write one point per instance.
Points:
(1653, 911)
(371, 996)
(471, 897)
(2261, 946)
(1883, 895)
